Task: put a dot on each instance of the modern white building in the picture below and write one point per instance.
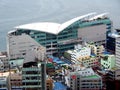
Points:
(57, 38)
(79, 53)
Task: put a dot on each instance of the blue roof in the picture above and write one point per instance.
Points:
(106, 52)
(57, 60)
(59, 86)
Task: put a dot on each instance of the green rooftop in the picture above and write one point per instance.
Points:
(92, 76)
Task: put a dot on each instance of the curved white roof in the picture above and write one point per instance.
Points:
(42, 26)
(98, 16)
(55, 28)
(66, 24)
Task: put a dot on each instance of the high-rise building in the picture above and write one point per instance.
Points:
(34, 71)
(56, 37)
(117, 52)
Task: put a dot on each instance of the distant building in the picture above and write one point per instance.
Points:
(108, 61)
(85, 80)
(58, 38)
(117, 52)
(34, 71)
(111, 41)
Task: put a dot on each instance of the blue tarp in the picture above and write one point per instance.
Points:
(57, 60)
(105, 52)
(59, 86)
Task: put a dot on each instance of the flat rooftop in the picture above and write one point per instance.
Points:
(92, 76)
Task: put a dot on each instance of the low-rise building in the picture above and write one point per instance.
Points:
(79, 53)
(96, 49)
(16, 81)
(91, 62)
(108, 61)
(85, 80)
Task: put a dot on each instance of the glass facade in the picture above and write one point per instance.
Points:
(64, 40)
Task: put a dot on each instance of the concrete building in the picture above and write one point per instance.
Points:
(79, 53)
(96, 49)
(58, 38)
(91, 62)
(34, 71)
(15, 81)
(108, 61)
(85, 80)
(85, 55)
(19, 45)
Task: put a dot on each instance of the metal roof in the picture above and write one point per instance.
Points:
(50, 27)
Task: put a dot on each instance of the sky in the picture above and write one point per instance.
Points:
(17, 12)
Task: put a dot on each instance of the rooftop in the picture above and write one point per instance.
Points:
(48, 27)
(92, 76)
(55, 28)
